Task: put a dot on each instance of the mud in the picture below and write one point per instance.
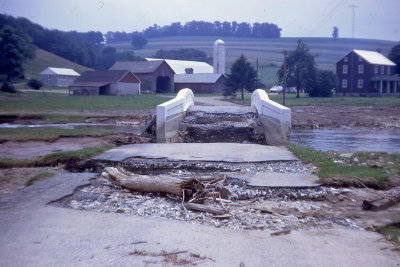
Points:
(313, 117)
(14, 179)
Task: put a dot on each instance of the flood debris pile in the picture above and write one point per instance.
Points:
(208, 124)
(216, 199)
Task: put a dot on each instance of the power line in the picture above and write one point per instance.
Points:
(329, 16)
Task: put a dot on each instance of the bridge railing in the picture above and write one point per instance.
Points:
(276, 119)
(170, 114)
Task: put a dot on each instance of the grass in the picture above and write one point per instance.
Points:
(391, 232)
(48, 134)
(38, 177)
(55, 158)
(334, 101)
(44, 59)
(338, 171)
(133, 102)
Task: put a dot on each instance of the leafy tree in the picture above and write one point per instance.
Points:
(15, 48)
(35, 84)
(242, 76)
(8, 87)
(107, 58)
(335, 33)
(127, 56)
(300, 68)
(138, 40)
(325, 82)
(394, 56)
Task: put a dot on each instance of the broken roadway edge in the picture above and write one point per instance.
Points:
(221, 152)
(33, 233)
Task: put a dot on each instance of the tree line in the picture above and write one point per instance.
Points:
(202, 28)
(84, 48)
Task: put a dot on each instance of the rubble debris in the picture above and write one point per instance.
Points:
(390, 198)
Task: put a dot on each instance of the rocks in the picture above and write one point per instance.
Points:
(293, 208)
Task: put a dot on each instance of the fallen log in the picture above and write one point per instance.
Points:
(390, 198)
(204, 208)
(145, 183)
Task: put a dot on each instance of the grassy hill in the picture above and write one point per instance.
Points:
(267, 51)
(44, 59)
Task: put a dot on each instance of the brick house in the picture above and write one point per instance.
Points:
(111, 82)
(58, 76)
(155, 76)
(366, 73)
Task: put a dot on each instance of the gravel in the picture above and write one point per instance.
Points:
(251, 209)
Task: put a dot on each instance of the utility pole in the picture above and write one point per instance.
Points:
(353, 19)
(284, 76)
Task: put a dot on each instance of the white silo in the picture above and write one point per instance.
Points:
(219, 57)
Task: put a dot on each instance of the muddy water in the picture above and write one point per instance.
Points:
(348, 140)
(114, 127)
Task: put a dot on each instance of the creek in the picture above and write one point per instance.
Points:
(348, 140)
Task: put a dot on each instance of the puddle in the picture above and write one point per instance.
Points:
(348, 140)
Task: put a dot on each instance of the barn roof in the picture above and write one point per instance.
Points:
(374, 57)
(197, 78)
(60, 71)
(107, 76)
(137, 66)
(179, 66)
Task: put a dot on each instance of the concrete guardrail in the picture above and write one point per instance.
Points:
(275, 118)
(170, 114)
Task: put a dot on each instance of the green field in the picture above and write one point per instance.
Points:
(133, 102)
(265, 50)
(44, 59)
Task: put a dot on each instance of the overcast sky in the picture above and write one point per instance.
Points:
(374, 19)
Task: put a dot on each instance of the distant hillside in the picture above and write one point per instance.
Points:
(45, 59)
(267, 51)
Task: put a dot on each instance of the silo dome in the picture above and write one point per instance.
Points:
(219, 56)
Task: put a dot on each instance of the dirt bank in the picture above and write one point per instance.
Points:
(312, 117)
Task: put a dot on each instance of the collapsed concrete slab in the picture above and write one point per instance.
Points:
(275, 118)
(224, 152)
(270, 179)
(216, 124)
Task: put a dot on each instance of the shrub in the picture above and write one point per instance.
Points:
(8, 87)
(325, 83)
(35, 84)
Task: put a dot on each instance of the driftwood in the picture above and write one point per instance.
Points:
(390, 198)
(190, 190)
(204, 208)
(144, 183)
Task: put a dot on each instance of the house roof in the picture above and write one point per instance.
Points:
(60, 71)
(374, 57)
(137, 66)
(179, 66)
(197, 78)
(107, 76)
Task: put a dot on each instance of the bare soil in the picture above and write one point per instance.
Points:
(312, 117)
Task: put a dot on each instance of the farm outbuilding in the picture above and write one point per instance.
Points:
(366, 73)
(58, 76)
(111, 82)
(155, 76)
(200, 83)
